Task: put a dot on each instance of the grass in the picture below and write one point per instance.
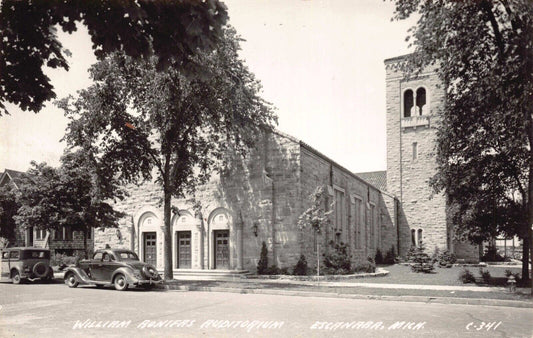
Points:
(197, 285)
(402, 274)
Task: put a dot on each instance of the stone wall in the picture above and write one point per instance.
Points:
(411, 162)
(367, 221)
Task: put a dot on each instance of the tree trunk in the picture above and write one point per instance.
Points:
(85, 242)
(167, 235)
(527, 238)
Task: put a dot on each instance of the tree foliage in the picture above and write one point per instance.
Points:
(77, 195)
(169, 126)
(483, 52)
(172, 30)
(316, 217)
(8, 209)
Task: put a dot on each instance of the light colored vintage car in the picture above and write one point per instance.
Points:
(21, 264)
(118, 267)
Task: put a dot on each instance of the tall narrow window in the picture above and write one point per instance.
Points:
(419, 239)
(372, 226)
(339, 210)
(357, 217)
(413, 237)
(415, 151)
(420, 101)
(408, 102)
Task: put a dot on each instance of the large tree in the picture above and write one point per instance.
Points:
(141, 122)
(28, 41)
(483, 52)
(8, 209)
(77, 195)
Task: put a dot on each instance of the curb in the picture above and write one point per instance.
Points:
(421, 299)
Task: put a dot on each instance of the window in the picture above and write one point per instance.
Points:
(372, 226)
(408, 103)
(97, 256)
(40, 234)
(420, 100)
(419, 239)
(5, 254)
(339, 210)
(415, 103)
(357, 219)
(415, 151)
(63, 234)
(413, 237)
(14, 254)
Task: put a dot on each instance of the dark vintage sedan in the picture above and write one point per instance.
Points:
(118, 267)
(25, 264)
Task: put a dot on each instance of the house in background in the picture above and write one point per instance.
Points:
(64, 241)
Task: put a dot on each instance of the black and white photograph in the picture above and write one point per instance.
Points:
(266, 168)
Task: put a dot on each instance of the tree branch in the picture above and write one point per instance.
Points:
(487, 7)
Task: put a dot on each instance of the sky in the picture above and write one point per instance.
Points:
(320, 64)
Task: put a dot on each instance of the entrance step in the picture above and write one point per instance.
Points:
(194, 274)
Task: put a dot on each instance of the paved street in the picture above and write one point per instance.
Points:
(55, 310)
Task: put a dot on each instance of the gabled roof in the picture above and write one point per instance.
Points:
(376, 178)
(10, 175)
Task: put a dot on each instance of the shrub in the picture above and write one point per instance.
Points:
(379, 257)
(420, 260)
(446, 259)
(466, 276)
(390, 256)
(411, 254)
(64, 260)
(492, 255)
(284, 271)
(262, 265)
(273, 270)
(338, 258)
(485, 275)
(300, 269)
(369, 266)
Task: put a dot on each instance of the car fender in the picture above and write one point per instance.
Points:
(126, 271)
(18, 269)
(80, 274)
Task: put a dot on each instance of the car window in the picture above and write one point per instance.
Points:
(27, 254)
(112, 257)
(105, 258)
(127, 256)
(97, 256)
(14, 254)
(5, 254)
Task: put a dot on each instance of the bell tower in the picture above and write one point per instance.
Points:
(412, 105)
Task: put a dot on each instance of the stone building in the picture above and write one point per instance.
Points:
(259, 199)
(412, 115)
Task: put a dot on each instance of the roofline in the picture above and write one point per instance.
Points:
(318, 153)
(397, 58)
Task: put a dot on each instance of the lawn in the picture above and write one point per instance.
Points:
(401, 274)
(378, 292)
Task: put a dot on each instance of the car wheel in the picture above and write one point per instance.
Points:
(15, 277)
(120, 282)
(71, 280)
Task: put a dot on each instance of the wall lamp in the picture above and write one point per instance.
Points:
(255, 228)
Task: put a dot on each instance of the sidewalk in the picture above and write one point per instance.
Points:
(444, 294)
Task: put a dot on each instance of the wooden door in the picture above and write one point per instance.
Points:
(184, 250)
(222, 249)
(150, 248)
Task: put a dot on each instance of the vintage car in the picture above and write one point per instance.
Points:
(25, 263)
(118, 267)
